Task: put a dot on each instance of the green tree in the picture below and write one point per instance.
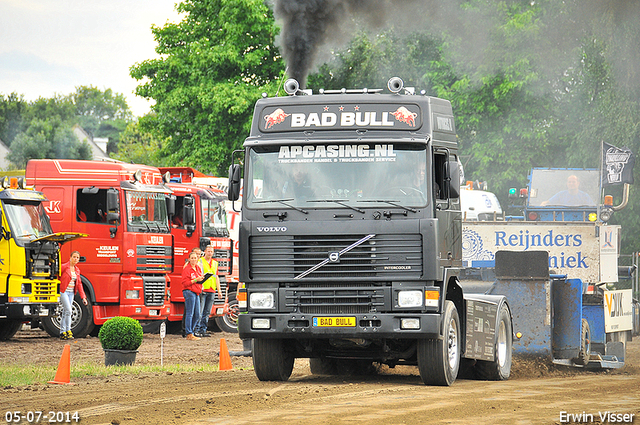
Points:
(12, 109)
(139, 146)
(216, 63)
(49, 138)
(101, 113)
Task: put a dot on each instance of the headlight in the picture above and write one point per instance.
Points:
(262, 300)
(132, 294)
(410, 299)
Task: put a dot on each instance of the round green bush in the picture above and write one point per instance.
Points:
(121, 333)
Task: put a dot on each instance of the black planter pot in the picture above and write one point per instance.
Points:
(119, 357)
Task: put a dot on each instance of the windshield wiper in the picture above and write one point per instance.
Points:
(394, 203)
(339, 202)
(283, 202)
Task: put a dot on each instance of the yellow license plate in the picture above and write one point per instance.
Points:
(334, 322)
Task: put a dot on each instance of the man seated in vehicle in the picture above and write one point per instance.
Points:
(572, 197)
(298, 187)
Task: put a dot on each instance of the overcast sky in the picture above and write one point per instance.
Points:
(52, 46)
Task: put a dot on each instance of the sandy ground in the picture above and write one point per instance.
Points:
(537, 393)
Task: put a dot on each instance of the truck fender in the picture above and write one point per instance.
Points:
(453, 291)
(498, 300)
(88, 289)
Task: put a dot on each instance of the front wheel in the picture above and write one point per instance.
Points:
(229, 322)
(8, 328)
(271, 361)
(439, 359)
(500, 368)
(81, 319)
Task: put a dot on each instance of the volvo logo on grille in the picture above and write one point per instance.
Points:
(334, 257)
(271, 229)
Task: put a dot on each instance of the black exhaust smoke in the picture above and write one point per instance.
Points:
(307, 25)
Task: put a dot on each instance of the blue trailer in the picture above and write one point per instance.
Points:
(557, 264)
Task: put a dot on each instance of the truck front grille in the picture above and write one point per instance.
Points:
(344, 300)
(154, 259)
(154, 290)
(45, 291)
(384, 257)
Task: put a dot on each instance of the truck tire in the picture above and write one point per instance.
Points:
(585, 344)
(8, 328)
(323, 366)
(271, 361)
(500, 368)
(439, 359)
(81, 319)
(229, 322)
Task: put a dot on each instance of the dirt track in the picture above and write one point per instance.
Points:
(537, 392)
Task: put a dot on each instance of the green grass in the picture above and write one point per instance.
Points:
(21, 375)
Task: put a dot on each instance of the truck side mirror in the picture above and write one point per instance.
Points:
(452, 179)
(233, 192)
(171, 205)
(113, 210)
(188, 215)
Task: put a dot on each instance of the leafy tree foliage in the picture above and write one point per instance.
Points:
(43, 128)
(140, 146)
(12, 107)
(101, 113)
(216, 63)
(49, 138)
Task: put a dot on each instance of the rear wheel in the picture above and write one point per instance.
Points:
(585, 344)
(271, 361)
(8, 328)
(229, 322)
(439, 359)
(81, 319)
(500, 368)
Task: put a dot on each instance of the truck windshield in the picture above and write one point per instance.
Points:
(564, 188)
(27, 221)
(147, 211)
(214, 218)
(338, 176)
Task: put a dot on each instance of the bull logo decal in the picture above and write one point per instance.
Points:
(276, 117)
(404, 115)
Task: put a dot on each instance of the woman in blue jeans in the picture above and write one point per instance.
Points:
(192, 278)
(70, 284)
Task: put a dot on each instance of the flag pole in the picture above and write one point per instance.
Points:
(601, 177)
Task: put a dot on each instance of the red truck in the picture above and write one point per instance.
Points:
(200, 219)
(127, 256)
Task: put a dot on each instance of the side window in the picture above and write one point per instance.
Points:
(439, 161)
(176, 220)
(91, 205)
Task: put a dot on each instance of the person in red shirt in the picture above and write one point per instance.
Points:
(70, 284)
(192, 278)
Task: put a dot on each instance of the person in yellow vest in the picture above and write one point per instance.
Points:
(209, 289)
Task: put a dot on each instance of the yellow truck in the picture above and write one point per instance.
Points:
(29, 257)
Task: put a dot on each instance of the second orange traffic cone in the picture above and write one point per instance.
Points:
(225, 358)
(63, 374)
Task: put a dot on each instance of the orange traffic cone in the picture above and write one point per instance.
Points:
(63, 373)
(225, 358)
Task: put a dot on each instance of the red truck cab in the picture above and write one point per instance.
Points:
(127, 256)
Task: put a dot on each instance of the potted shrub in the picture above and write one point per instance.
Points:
(120, 338)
